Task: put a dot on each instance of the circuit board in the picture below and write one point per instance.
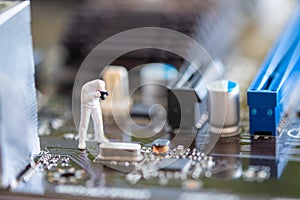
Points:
(198, 164)
(239, 167)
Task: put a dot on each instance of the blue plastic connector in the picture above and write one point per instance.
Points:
(269, 95)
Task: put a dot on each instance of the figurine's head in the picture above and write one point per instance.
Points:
(101, 85)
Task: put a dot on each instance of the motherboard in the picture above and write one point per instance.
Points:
(156, 151)
(238, 167)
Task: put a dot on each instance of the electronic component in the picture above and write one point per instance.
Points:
(118, 102)
(160, 146)
(154, 80)
(120, 151)
(257, 173)
(175, 164)
(224, 107)
(68, 175)
(187, 95)
(269, 95)
(18, 107)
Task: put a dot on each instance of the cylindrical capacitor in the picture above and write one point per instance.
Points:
(224, 107)
(118, 101)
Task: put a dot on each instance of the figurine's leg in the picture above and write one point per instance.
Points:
(98, 125)
(83, 126)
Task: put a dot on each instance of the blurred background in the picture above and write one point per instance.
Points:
(239, 33)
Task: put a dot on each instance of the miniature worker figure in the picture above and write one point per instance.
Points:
(91, 92)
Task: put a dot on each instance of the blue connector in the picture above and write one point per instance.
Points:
(269, 95)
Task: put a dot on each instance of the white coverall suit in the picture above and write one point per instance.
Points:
(90, 105)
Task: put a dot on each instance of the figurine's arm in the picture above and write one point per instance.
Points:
(98, 94)
(93, 89)
(89, 96)
(102, 90)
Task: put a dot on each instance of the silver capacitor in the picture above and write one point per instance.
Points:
(224, 107)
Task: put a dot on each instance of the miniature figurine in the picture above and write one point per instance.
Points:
(90, 105)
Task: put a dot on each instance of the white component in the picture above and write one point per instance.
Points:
(120, 151)
(90, 105)
(224, 107)
(118, 102)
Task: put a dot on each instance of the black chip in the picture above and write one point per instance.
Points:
(174, 164)
(298, 114)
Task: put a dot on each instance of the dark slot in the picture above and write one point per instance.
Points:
(279, 71)
(67, 174)
(268, 133)
(268, 83)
